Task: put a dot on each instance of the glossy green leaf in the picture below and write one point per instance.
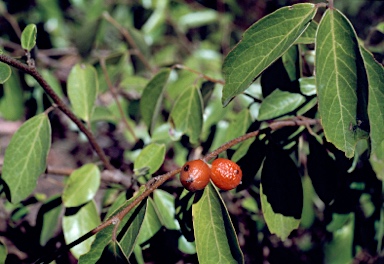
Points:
(104, 237)
(239, 125)
(262, 44)
(187, 113)
(291, 62)
(216, 240)
(12, 102)
(165, 202)
(151, 224)
(340, 248)
(5, 72)
(337, 79)
(152, 157)
(152, 97)
(25, 157)
(28, 37)
(278, 224)
(51, 211)
(82, 89)
(82, 185)
(308, 37)
(308, 85)
(375, 73)
(78, 224)
(133, 227)
(279, 103)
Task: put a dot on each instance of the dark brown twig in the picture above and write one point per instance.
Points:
(60, 104)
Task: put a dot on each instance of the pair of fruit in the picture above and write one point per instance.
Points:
(225, 174)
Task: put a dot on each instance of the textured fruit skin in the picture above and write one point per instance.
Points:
(225, 174)
(195, 175)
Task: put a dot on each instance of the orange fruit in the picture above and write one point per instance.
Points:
(225, 174)
(195, 175)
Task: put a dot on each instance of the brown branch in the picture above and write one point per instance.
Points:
(114, 95)
(129, 39)
(60, 104)
(155, 182)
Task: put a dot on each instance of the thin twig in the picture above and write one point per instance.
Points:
(114, 95)
(129, 39)
(60, 104)
(206, 77)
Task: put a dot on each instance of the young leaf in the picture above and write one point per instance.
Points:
(151, 223)
(262, 44)
(281, 192)
(337, 53)
(279, 103)
(375, 73)
(166, 204)
(25, 157)
(308, 37)
(152, 97)
(28, 37)
(105, 236)
(216, 240)
(152, 156)
(308, 85)
(291, 63)
(12, 102)
(187, 113)
(78, 224)
(82, 186)
(82, 89)
(5, 72)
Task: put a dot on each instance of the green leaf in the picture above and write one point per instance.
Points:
(279, 103)
(152, 156)
(133, 227)
(78, 224)
(5, 72)
(152, 97)
(308, 37)
(281, 192)
(82, 185)
(375, 73)
(28, 37)
(104, 237)
(151, 224)
(216, 240)
(308, 85)
(82, 89)
(12, 102)
(187, 113)
(340, 249)
(165, 202)
(278, 224)
(25, 157)
(262, 44)
(239, 125)
(337, 79)
(53, 82)
(291, 62)
(51, 211)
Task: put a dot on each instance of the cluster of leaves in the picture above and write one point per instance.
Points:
(169, 99)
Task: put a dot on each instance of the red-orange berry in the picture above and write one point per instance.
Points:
(225, 174)
(195, 175)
